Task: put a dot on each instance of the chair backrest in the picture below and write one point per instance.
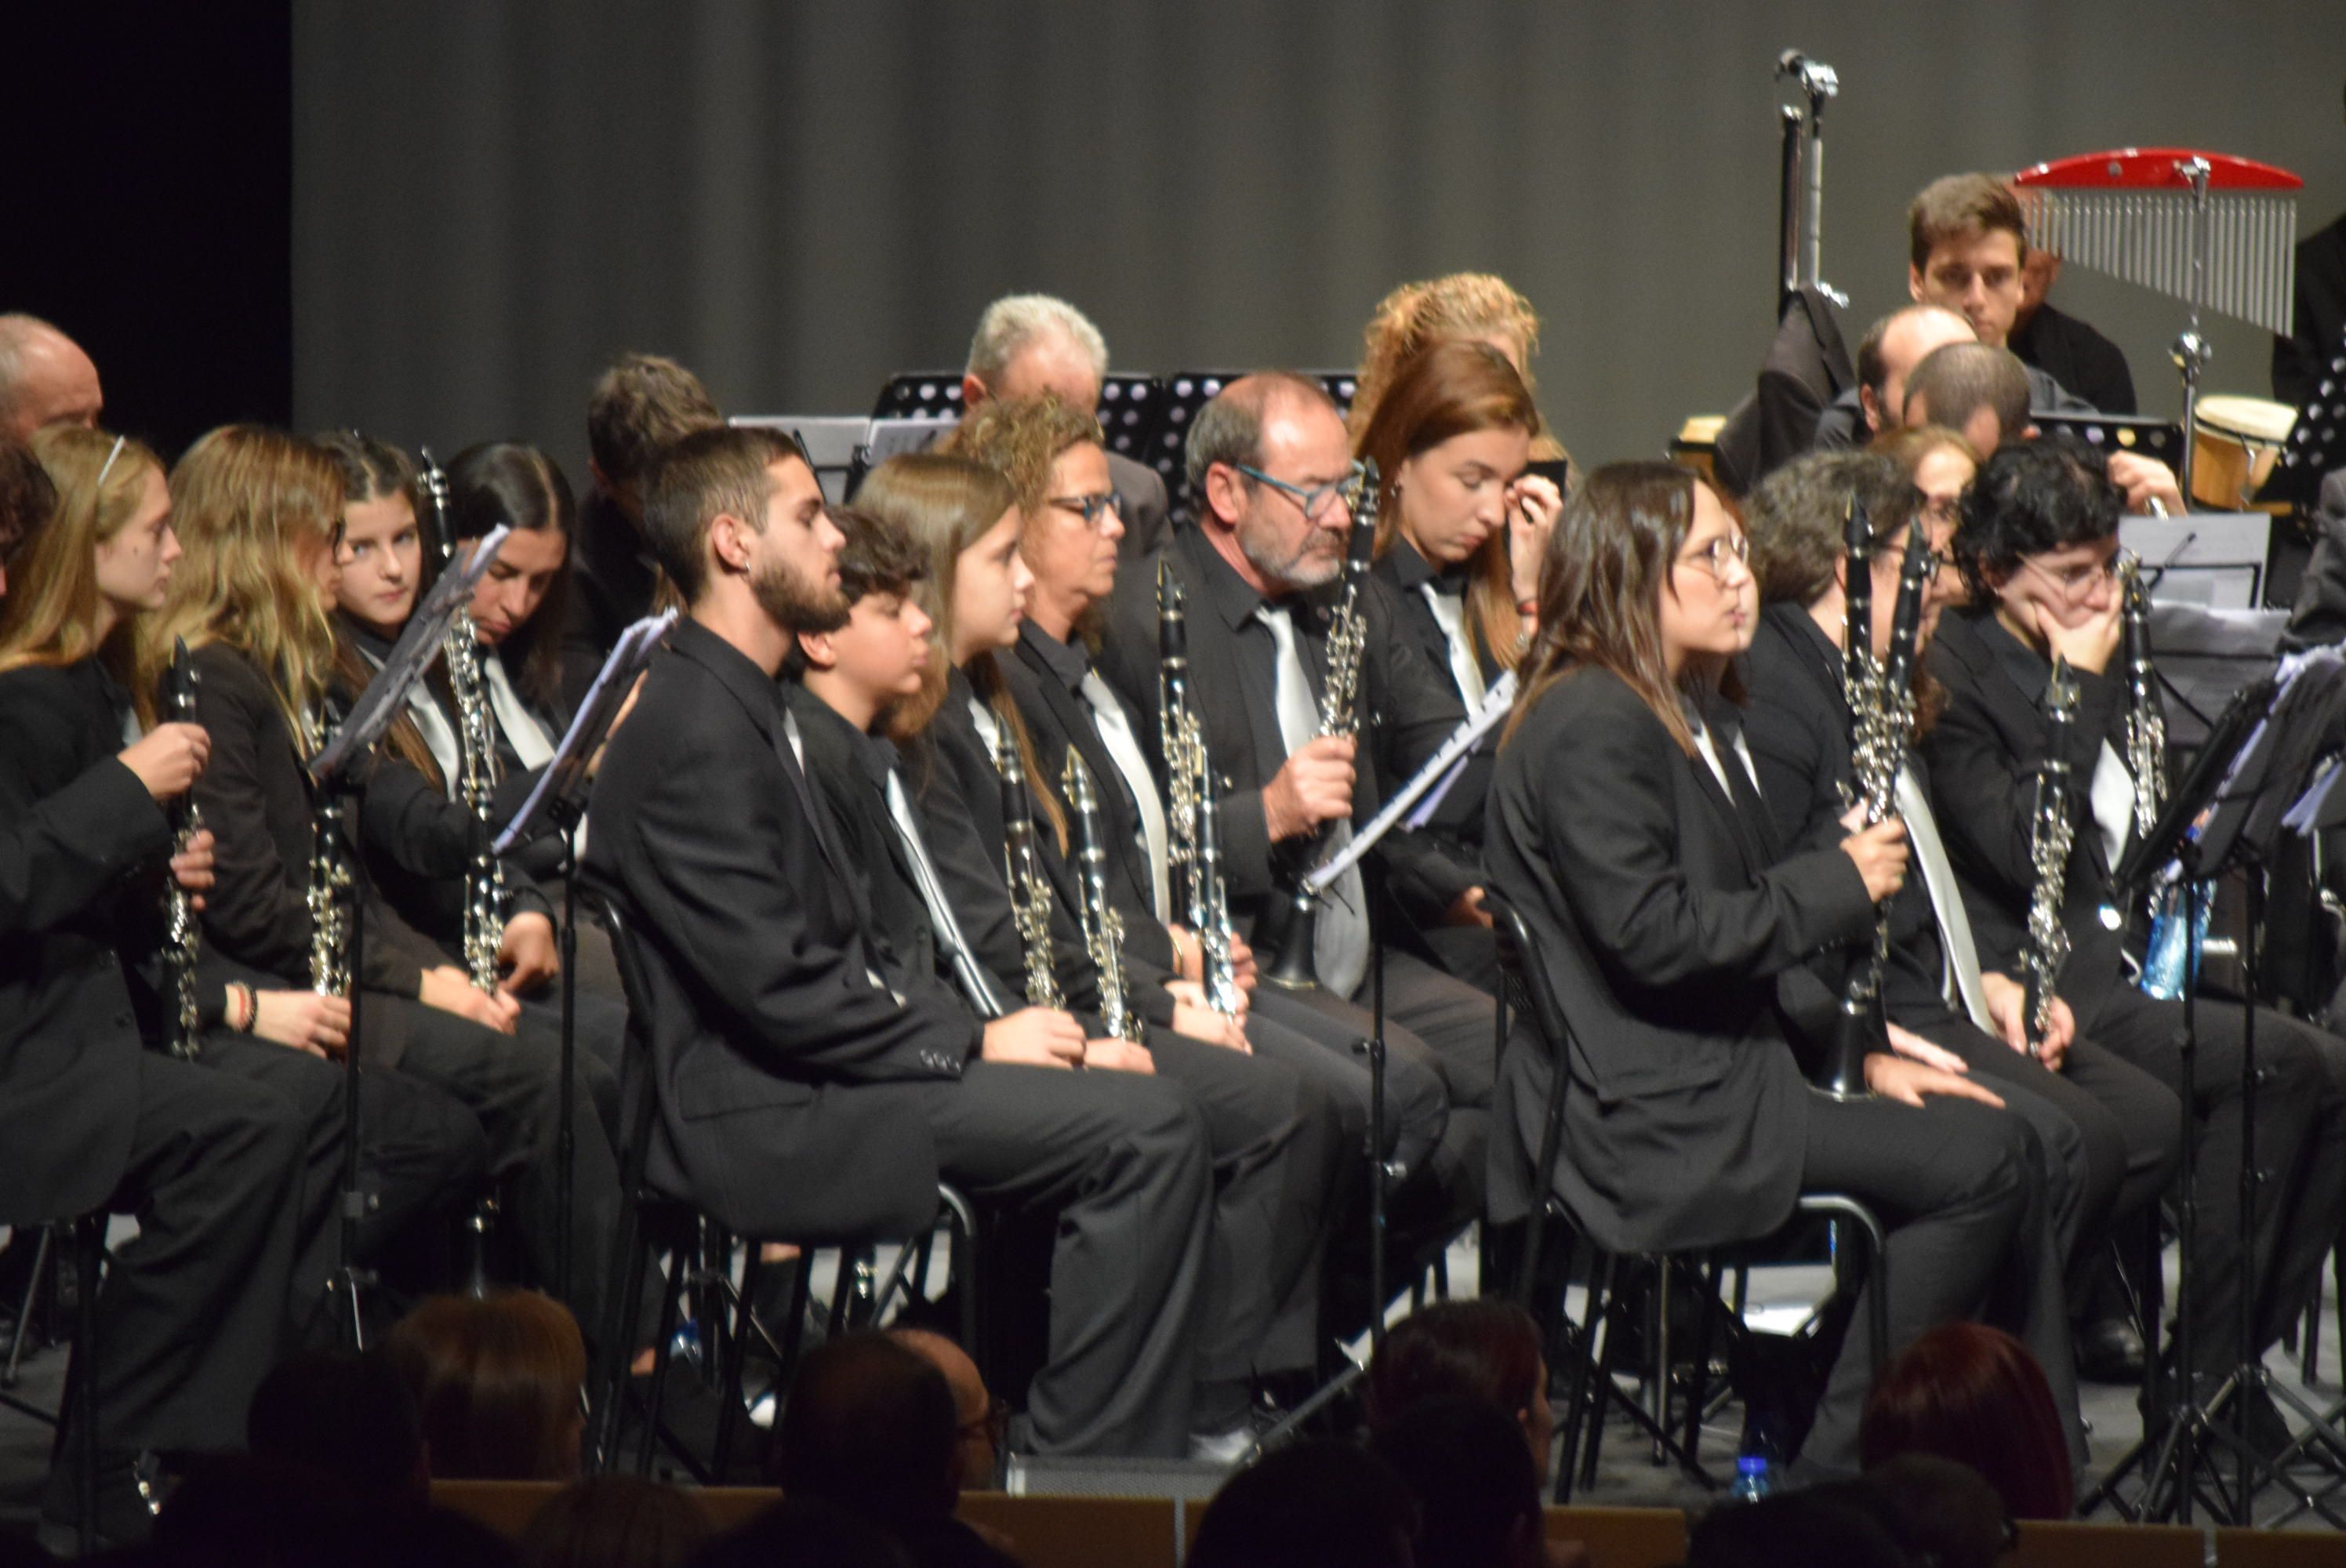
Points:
(1528, 991)
(638, 1079)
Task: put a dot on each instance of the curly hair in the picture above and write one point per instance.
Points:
(1021, 440)
(1459, 305)
(2030, 497)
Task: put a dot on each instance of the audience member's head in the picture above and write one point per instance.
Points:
(45, 379)
(352, 1416)
(1973, 1394)
(805, 1532)
(640, 406)
(1485, 1348)
(27, 501)
(1478, 1492)
(1314, 1503)
(1029, 344)
(1943, 1508)
(616, 1522)
(870, 1425)
(1965, 239)
(496, 1382)
(1981, 391)
(977, 1414)
(1836, 1524)
(1889, 352)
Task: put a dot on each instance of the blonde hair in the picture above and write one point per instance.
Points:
(1460, 305)
(50, 617)
(249, 503)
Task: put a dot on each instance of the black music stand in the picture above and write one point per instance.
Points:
(2112, 433)
(559, 801)
(1187, 391)
(2226, 815)
(333, 777)
(2315, 446)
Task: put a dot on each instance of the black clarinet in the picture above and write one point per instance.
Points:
(182, 934)
(1103, 927)
(1030, 892)
(1292, 920)
(2045, 945)
(1881, 727)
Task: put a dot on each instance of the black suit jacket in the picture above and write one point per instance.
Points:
(2318, 318)
(773, 1019)
(256, 798)
(1408, 711)
(1661, 926)
(1059, 718)
(612, 583)
(2074, 354)
(1797, 721)
(1402, 576)
(1985, 754)
(77, 877)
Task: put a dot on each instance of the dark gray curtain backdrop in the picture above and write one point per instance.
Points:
(490, 200)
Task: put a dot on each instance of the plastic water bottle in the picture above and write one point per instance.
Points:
(1753, 1479)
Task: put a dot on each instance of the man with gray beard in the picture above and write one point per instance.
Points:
(1272, 472)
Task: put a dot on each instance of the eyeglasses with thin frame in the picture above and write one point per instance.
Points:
(1315, 500)
(1713, 557)
(2074, 582)
(1092, 507)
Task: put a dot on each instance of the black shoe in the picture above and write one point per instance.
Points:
(2110, 1351)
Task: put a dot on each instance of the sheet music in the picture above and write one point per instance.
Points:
(1439, 769)
(409, 658)
(589, 724)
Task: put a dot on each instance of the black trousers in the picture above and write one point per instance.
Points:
(192, 1311)
(420, 1152)
(1275, 1142)
(1123, 1163)
(2264, 1274)
(513, 1085)
(2111, 1126)
(1960, 1188)
(1320, 1035)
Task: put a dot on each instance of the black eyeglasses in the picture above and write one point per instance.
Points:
(1315, 500)
(1092, 507)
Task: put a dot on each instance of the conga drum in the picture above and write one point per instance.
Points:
(2235, 447)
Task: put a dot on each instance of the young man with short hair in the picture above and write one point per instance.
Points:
(811, 1080)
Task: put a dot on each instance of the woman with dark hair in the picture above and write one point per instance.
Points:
(1626, 830)
(519, 604)
(2038, 547)
(1973, 1394)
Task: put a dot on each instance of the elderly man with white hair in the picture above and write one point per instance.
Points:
(1029, 344)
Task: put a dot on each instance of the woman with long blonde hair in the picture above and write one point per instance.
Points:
(259, 512)
(94, 1114)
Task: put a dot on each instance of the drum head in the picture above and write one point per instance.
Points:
(2257, 421)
